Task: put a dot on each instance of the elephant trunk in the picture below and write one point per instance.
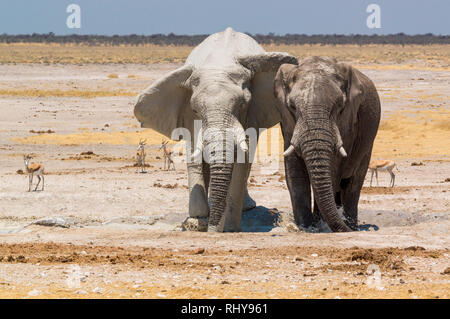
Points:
(315, 138)
(220, 140)
(219, 184)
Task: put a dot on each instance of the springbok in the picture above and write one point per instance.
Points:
(167, 155)
(33, 169)
(379, 165)
(141, 156)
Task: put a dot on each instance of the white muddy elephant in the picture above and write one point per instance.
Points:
(227, 83)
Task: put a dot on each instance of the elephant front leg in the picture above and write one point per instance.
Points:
(198, 177)
(298, 183)
(249, 203)
(351, 192)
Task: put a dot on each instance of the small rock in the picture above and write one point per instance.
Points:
(34, 292)
(83, 252)
(417, 164)
(199, 251)
(314, 255)
(446, 271)
(97, 290)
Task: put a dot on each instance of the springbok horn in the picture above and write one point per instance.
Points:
(289, 151)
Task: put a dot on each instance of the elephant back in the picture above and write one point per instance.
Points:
(222, 48)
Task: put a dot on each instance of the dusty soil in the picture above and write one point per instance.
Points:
(113, 232)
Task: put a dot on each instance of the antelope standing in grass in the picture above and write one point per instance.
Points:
(379, 165)
(141, 156)
(33, 169)
(167, 155)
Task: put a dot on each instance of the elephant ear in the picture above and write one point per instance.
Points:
(263, 112)
(354, 90)
(164, 105)
(281, 90)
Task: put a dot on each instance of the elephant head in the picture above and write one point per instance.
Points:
(227, 98)
(316, 99)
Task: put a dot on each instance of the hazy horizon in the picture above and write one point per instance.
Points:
(182, 17)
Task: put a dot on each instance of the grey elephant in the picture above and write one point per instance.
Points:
(330, 114)
(227, 83)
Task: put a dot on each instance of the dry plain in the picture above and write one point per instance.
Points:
(99, 229)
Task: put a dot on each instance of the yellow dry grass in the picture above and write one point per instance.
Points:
(406, 134)
(432, 56)
(410, 56)
(82, 138)
(64, 93)
(414, 134)
(86, 54)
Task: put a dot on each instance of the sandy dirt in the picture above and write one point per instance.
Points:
(100, 229)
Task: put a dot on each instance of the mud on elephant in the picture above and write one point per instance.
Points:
(227, 83)
(330, 114)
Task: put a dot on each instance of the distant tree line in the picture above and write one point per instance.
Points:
(192, 40)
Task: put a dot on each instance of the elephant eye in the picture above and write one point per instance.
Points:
(291, 104)
(194, 81)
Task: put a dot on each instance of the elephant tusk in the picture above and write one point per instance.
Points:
(239, 136)
(196, 153)
(339, 144)
(198, 145)
(342, 151)
(289, 151)
(243, 146)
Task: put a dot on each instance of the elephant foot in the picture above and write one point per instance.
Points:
(195, 224)
(212, 229)
(249, 203)
(350, 222)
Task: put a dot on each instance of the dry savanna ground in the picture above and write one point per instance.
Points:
(100, 229)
